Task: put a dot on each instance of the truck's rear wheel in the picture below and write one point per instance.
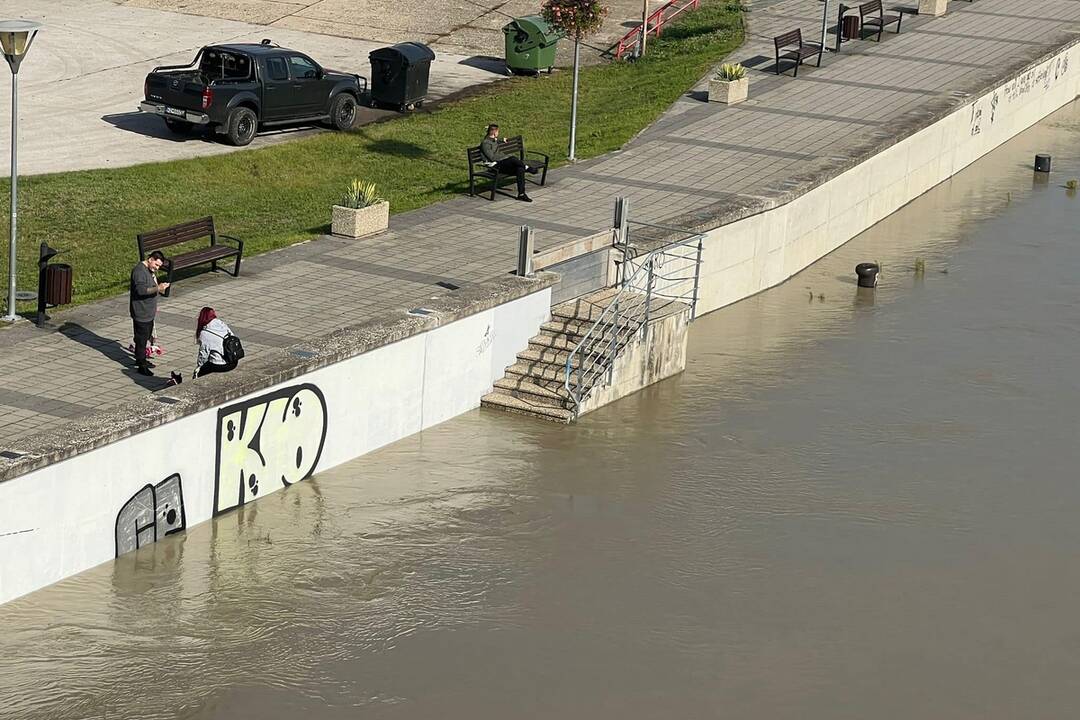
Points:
(180, 127)
(241, 126)
(343, 112)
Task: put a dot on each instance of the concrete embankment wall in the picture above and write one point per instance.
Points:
(753, 254)
(122, 486)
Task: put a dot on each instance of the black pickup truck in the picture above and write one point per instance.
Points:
(234, 89)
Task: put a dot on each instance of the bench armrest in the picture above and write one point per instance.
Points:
(547, 158)
(238, 241)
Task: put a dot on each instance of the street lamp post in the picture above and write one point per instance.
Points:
(15, 39)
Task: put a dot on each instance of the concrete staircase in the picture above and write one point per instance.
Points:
(534, 385)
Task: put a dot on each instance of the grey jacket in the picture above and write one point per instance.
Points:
(491, 149)
(143, 294)
(212, 343)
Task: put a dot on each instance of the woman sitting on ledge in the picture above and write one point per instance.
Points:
(210, 334)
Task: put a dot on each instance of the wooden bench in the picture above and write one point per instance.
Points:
(801, 51)
(479, 168)
(880, 20)
(187, 232)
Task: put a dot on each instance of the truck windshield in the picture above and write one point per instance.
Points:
(222, 65)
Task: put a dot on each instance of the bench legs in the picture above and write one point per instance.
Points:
(236, 267)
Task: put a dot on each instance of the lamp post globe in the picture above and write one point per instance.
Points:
(16, 36)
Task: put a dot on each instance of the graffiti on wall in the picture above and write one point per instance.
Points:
(152, 513)
(1042, 78)
(267, 442)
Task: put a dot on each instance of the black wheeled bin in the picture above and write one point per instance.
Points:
(399, 74)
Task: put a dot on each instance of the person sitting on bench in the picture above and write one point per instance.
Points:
(491, 149)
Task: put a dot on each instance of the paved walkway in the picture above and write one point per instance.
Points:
(698, 159)
(463, 27)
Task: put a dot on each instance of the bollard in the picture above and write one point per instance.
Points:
(621, 221)
(1042, 163)
(867, 273)
(525, 251)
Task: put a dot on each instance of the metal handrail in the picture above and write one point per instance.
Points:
(628, 311)
(656, 20)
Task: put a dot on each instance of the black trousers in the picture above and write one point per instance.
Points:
(513, 166)
(142, 332)
(209, 367)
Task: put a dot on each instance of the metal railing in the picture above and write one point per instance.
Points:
(653, 24)
(667, 274)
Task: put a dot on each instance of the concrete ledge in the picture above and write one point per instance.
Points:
(109, 426)
(742, 206)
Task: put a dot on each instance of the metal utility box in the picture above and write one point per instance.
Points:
(530, 44)
(399, 75)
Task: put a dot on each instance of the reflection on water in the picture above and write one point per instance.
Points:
(851, 505)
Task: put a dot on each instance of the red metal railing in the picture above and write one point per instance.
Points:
(655, 24)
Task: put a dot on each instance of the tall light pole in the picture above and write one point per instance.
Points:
(16, 37)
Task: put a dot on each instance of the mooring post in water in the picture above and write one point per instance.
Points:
(1042, 163)
(525, 251)
(867, 273)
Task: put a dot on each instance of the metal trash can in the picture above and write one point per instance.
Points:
(399, 75)
(530, 44)
(58, 284)
(851, 27)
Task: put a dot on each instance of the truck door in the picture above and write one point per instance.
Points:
(307, 86)
(278, 98)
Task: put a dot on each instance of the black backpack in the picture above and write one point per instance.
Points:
(234, 349)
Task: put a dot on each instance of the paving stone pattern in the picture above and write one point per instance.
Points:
(698, 157)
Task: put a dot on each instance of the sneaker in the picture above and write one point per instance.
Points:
(531, 170)
(524, 198)
(176, 378)
(145, 371)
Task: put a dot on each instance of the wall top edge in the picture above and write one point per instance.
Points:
(108, 426)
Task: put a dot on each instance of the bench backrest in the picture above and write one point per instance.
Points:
(789, 38)
(513, 146)
(874, 6)
(175, 235)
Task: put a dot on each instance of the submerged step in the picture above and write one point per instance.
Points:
(512, 404)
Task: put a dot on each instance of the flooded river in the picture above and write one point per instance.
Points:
(849, 506)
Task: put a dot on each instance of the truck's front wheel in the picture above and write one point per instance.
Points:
(241, 125)
(343, 111)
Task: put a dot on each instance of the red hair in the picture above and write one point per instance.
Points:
(205, 316)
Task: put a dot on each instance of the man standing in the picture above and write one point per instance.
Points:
(491, 149)
(143, 304)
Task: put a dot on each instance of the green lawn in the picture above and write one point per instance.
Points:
(280, 195)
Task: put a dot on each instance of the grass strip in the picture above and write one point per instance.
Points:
(279, 195)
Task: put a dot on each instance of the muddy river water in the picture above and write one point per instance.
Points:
(850, 505)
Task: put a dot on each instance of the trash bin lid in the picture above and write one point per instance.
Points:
(409, 53)
(536, 27)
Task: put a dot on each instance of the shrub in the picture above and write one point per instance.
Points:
(360, 195)
(730, 72)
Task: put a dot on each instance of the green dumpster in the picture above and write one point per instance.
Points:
(530, 44)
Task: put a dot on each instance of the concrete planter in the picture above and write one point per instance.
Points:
(361, 223)
(936, 8)
(728, 91)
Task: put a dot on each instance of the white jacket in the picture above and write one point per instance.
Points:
(212, 343)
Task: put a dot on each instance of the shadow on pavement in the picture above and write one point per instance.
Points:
(492, 64)
(151, 126)
(113, 350)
